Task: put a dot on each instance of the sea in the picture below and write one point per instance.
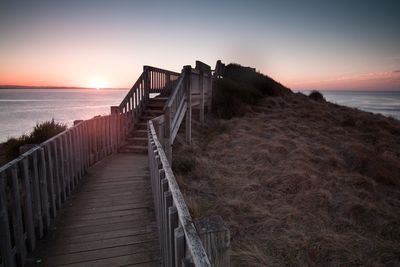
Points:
(386, 103)
(22, 109)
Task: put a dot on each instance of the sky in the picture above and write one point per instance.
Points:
(304, 44)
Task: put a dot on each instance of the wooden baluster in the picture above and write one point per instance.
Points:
(7, 253)
(172, 223)
(50, 179)
(37, 209)
(28, 216)
(179, 244)
(16, 213)
(43, 189)
(61, 168)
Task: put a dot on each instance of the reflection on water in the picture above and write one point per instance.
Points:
(386, 103)
(21, 109)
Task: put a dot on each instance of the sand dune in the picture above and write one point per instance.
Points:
(300, 182)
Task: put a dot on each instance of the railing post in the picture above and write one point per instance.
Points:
(5, 244)
(215, 237)
(167, 137)
(188, 74)
(146, 83)
(114, 110)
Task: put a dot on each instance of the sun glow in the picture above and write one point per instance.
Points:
(97, 83)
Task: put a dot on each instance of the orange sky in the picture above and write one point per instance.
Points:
(304, 46)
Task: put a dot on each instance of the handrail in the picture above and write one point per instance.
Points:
(174, 92)
(34, 186)
(172, 214)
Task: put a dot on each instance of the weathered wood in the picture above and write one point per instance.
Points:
(193, 240)
(16, 212)
(6, 249)
(50, 180)
(179, 244)
(61, 168)
(28, 216)
(89, 234)
(43, 189)
(216, 240)
(172, 225)
(188, 132)
(37, 209)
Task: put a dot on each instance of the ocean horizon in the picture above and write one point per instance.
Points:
(22, 109)
(386, 103)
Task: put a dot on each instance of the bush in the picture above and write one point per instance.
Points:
(41, 132)
(249, 77)
(230, 98)
(242, 86)
(317, 96)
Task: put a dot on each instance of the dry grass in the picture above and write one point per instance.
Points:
(301, 183)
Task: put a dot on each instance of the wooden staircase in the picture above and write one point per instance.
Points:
(137, 138)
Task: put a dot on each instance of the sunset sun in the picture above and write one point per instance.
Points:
(97, 83)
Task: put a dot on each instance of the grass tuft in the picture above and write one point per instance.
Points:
(41, 132)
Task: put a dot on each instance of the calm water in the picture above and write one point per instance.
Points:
(21, 109)
(386, 103)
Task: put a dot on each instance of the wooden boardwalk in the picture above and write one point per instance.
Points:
(110, 221)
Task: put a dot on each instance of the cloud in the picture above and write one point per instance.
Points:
(396, 71)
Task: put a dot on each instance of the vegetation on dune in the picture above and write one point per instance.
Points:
(299, 181)
(241, 87)
(316, 95)
(41, 132)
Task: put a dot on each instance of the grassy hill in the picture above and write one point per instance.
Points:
(298, 181)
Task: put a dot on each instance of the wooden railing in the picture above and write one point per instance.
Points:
(178, 236)
(161, 80)
(152, 80)
(34, 186)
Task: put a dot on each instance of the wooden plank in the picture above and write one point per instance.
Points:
(112, 234)
(5, 229)
(172, 225)
(125, 260)
(56, 175)
(28, 214)
(37, 209)
(101, 254)
(179, 245)
(61, 168)
(43, 189)
(50, 180)
(65, 248)
(16, 214)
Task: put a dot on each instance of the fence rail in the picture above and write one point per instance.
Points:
(179, 239)
(34, 186)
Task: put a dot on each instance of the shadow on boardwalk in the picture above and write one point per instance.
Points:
(109, 222)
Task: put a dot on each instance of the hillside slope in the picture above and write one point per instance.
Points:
(299, 182)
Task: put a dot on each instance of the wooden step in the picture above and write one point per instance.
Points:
(159, 98)
(139, 133)
(153, 112)
(139, 141)
(141, 126)
(146, 118)
(133, 149)
(156, 105)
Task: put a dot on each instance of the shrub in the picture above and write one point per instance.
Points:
(316, 95)
(249, 77)
(41, 132)
(46, 130)
(230, 98)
